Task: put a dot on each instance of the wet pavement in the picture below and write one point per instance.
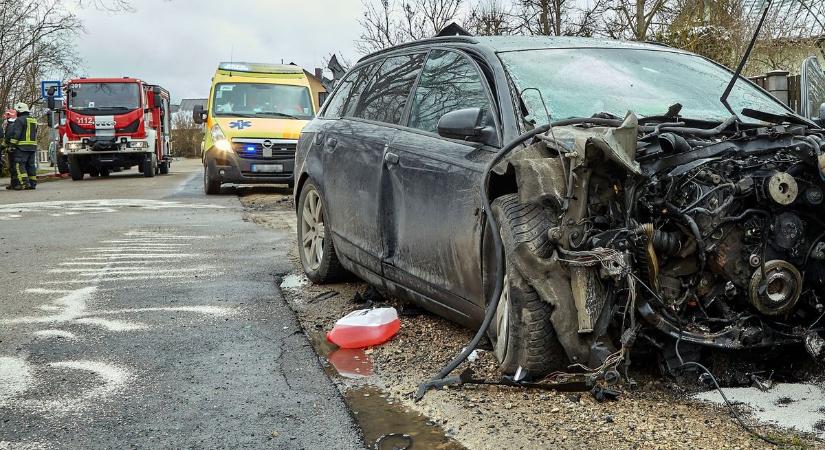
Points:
(139, 313)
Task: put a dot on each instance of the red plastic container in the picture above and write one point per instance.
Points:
(365, 328)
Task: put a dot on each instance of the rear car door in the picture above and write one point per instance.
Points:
(353, 151)
(432, 210)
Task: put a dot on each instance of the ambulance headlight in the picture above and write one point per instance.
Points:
(219, 139)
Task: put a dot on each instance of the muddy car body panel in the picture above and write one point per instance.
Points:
(699, 226)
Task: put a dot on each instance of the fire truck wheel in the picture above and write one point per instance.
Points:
(150, 164)
(104, 172)
(63, 164)
(94, 173)
(75, 169)
(164, 168)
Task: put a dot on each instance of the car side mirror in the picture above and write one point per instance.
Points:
(466, 124)
(198, 114)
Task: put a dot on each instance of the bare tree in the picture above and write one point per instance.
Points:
(635, 19)
(387, 23)
(107, 5)
(491, 18)
(186, 135)
(36, 40)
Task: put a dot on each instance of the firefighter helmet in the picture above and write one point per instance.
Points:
(21, 107)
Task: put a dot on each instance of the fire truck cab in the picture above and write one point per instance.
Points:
(113, 124)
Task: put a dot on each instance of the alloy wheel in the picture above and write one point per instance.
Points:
(312, 230)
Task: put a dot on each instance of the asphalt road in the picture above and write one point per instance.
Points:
(139, 313)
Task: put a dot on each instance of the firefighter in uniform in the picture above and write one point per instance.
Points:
(22, 137)
(6, 153)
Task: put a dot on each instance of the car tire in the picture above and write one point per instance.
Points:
(522, 332)
(315, 247)
(211, 186)
(75, 169)
(150, 163)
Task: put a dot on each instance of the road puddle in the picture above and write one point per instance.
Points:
(385, 423)
(388, 421)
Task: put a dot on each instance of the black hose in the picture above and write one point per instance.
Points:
(701, 132)
(492, 303)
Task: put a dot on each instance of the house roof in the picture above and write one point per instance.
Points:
(188, 104)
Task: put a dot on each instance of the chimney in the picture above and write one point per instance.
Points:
(319, 73)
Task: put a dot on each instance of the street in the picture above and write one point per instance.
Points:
(140, 313)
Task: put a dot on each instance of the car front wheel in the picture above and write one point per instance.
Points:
(522, 332)
(315, 247)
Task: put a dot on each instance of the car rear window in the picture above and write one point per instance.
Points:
(345, 98)
(386, 95)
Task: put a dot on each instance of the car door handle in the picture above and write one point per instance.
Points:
(331, 143)
(390, 158)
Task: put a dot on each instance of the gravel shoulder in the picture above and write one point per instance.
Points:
(658, 414)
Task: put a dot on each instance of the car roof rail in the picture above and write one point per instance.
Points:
(435, 40)
(660, 44)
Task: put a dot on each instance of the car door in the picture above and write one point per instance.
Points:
(432, 210)
(353, 152)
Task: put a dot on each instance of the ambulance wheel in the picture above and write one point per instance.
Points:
(211, 186)
(164, 168)
(150, 163)
(75, 170)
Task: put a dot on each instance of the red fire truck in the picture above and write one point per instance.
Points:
(113, 124)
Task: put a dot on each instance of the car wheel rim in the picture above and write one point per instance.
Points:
(503, 320)
(312, 230)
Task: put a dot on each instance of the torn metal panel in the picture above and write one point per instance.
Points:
(715, 240)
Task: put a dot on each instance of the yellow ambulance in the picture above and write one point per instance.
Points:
(253, 117)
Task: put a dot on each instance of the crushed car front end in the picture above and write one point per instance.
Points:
(678, 224)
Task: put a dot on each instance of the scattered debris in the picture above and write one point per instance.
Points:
(772, 406)
(365, 328)
(294, 281)
(323, 296)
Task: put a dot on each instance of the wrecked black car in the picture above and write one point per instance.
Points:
(649, 209)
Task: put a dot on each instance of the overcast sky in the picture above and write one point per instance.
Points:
(179, 43)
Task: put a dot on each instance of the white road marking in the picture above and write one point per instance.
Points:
(101, 205)
(46, 291)
(138, 278)
(172, 256)
(129, 270)
(15, 377)
(205, 310)
(47, 334)
(112, 325)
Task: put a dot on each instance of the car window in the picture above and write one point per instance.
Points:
(386, 95)
(449, 82)
(349, 88)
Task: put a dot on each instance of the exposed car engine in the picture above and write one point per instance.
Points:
(712, 237)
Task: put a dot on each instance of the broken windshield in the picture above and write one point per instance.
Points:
(277, 101)
(579, 82)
